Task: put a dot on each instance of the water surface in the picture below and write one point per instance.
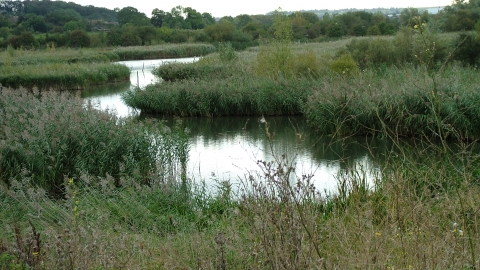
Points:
(229, 148)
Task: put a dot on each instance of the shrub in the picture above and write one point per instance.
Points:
(226, 52)
(345, 65)
(79, 39)
(468, 51)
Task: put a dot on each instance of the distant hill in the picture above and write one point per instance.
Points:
(386, 11)
(43, 8)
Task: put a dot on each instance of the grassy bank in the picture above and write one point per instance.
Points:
(422, 213)
(62, 69)
(47, 138)
(62, 76)
(62, 55)
(163, 51)
(221, 97)
(403, 102)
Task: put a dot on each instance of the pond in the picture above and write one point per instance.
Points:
(228, 148)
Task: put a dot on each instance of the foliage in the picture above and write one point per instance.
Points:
(221, 32)
(398, 102)
(25, 40)
(234, 95)
(49, 137)
(79, 39)
(345, 65)
(131, 15)
(226, 52)
(468, 51)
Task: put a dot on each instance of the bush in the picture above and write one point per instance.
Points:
(226, 52)
(345, 65)
(469, 50)
(79, 39)
(26, 40)
(371, 52)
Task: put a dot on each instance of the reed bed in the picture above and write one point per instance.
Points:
(404, 102)
(13, 57)
(421, 213)
(163, 51)
(62, 76)
(236, 95)
(47, 137)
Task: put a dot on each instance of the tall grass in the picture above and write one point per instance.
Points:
(236, 95)
(55, 55)
(163, 51)
(399, 102)
(421, 213)
(62, 55)
(62, 76)
(49, 137)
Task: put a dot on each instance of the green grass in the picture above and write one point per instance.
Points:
(62, 76)
(163, 51)
(49, 137)
(414, 217)
(237, 95)
(400, 102)
(421, 213)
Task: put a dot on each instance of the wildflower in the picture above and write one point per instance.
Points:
(70, 181)
(416, 26)
(35, 253)
(378, 234)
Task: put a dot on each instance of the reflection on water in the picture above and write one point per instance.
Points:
(109, 96)
(229, 147)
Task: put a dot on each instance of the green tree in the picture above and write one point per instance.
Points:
(193, 19)
(220, 32)
(79, 39)
(114, 37)
(146, 34)
(130, 36)
(5, 32)
(208, 19)
(334, 30)
(130, 15)
(62, 16)
(37, 23)
(242, 20)
(73, 25)
(282, 27)
(25, 40)
(158, 17)
(374, 31)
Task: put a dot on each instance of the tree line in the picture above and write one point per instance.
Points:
(35, 23)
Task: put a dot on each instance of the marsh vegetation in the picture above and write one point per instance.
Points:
(82, 188)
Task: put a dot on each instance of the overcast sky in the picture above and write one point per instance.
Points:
(220, 8)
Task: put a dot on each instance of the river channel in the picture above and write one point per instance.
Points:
(228, 148)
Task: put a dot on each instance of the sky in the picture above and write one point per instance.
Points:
(253, 7)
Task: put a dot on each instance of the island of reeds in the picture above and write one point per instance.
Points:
(82, 188)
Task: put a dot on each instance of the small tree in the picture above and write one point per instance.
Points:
(79, 39)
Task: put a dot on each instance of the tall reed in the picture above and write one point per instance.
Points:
(49, 137)
(62, 76)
